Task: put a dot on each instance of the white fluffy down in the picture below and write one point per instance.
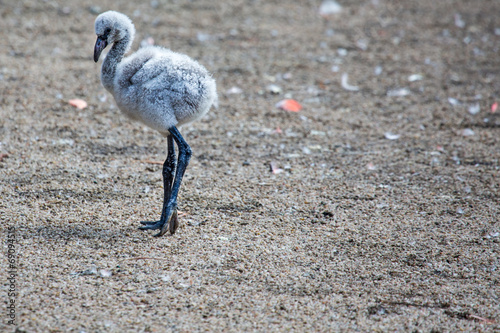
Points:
(154, 85)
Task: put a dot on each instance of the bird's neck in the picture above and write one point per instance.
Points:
(113, 58)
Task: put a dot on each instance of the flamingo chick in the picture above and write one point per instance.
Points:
(160, 88)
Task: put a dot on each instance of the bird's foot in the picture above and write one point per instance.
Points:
(170, 223)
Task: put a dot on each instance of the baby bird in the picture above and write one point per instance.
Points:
(160, 88)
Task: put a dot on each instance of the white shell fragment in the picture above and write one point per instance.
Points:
(391, 136)
(346, 85)
(329, 7)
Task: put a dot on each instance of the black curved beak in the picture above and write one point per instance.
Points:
(100, 45)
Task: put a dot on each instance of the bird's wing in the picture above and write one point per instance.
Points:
(162, 76)
(182, 90)
(136, 69)
(163, 80)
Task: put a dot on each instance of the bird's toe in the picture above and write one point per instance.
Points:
(174, 223)
(171, 223)
(149, 222)
(151, 225)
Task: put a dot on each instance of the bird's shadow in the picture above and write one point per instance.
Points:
(101, 237)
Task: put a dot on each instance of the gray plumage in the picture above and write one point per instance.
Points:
(154, 85)
(161, 88)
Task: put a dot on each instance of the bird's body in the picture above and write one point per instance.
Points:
(158, 87)
(162, 88)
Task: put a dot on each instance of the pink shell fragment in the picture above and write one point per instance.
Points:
(289, 105)
(494, 107)
(80, 104)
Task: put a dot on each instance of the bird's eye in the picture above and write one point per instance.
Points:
(107, 31)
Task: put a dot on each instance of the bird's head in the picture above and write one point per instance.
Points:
(111, 27)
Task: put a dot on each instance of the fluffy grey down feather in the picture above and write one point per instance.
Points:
(154, 85)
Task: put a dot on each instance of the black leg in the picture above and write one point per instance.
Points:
(168, 177)
(168, 219)
(168, 170)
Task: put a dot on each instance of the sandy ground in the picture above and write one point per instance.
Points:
(382, 212)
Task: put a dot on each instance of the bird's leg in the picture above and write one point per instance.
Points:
(169, 213)
(168, 177)
(169, 169)
(170, 207)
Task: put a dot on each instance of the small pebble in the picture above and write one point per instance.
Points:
(95, 10)
(318, 133)
(105, 273)
(474, 109)
(90, 271)
(154, 4)
(234, 91)
(274, 89)
(204, 37)
(399, 92)
(341, 52)
(65, 142)
(459, 22)
(467, 132)
(435, 162)
(415, 77)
